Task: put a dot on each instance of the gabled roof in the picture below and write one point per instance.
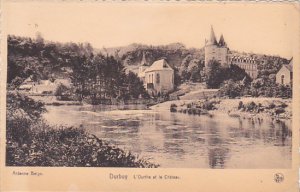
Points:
(289, 66)
(160, 65)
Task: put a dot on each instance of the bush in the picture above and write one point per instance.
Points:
(63, 92)
(22, 112)
(251, 106)
(241, 105)
(70, 147)
(173, 105)
(208, 105)
(231, 89)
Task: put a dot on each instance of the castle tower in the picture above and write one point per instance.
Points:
(216, 50)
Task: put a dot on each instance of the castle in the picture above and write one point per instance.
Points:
(219, 51)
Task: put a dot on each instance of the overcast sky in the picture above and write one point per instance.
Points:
(263, 28)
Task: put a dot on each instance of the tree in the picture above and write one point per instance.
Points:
(214, 75)
(231, 88)
(135, 86)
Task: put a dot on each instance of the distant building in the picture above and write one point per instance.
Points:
(43, 86)
(159, 78)
(247, 63)
(27, 84)
(285, 75)
(219, 51)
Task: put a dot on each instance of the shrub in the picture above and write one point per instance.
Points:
(63, 92)
(22, 112)
(241, 105)
(208, 105)
(173, 105)
(70, 147)
(251, 106)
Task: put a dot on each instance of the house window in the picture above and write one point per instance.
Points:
(157, 78)
(282, 79)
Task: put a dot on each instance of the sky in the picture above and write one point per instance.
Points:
(258, 28)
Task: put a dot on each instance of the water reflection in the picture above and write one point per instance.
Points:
(180, 140)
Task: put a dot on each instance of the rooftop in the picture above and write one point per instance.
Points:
(160, 65)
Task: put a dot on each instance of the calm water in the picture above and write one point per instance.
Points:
(184, 141)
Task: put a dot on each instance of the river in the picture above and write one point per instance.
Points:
(175, 140)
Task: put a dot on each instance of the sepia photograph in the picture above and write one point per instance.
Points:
(149, 85)
(149, 96)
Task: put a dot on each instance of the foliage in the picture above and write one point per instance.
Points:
(63, 92)
(261, 87)
(22, 112)
(135, 86)
(94, 76)
(231, 88)
(31, 142)
(69, 147)
(216, 74)
(43, 59)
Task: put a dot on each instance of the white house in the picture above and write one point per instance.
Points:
(43, 86)
(285, 75)
(159, 78)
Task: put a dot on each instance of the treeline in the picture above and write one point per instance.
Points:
(93, 75)
(39, 58)
(103, 77)
(261, 87)
(235, 82)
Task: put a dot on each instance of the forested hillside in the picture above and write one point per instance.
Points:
(45, 59)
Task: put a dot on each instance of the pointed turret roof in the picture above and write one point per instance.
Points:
(144, 62)
(212, 39)
(222, 41)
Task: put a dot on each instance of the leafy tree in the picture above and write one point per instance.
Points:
(231, 88)
(135, 86)
(214, 74)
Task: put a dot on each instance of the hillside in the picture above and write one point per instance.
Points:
(132, 54)
(45, 59)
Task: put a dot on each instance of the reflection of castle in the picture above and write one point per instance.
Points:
(219, 51)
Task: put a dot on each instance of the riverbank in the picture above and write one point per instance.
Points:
(52, 100)
(68, 147)
(260, 108)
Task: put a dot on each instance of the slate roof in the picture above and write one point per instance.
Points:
(160, 65)
(212, 40)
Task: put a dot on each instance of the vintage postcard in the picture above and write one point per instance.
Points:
(149, 96)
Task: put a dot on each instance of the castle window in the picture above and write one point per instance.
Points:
(157, 78)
